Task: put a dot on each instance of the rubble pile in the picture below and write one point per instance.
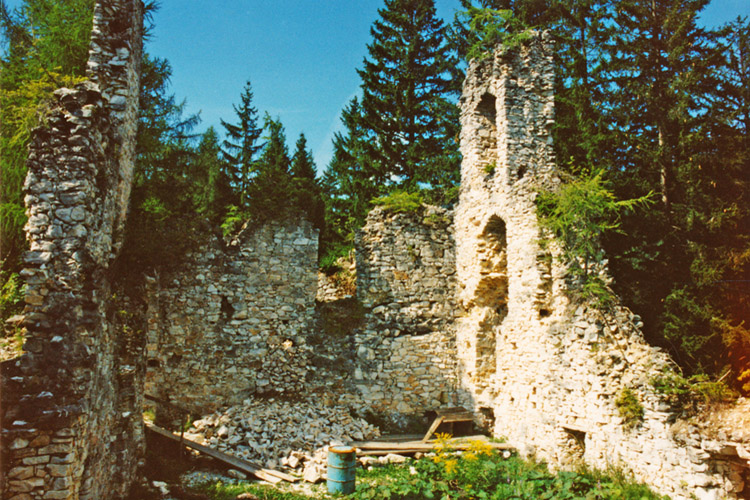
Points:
(279, 434)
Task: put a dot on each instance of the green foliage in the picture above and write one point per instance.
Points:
(406, 103)
(579, 214)
(46, 47)
(490, 28)
(213, 193)
(163, 223)
(479, 473)
(402, 132)
(233, 221)
(690, 393)
(12, 292)
(629, 407)
(400, 201)
(490, 168)
(241, 148)
(436, 220)
(278, 187)
(482, 473)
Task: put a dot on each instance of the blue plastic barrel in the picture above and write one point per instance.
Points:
(342, 464)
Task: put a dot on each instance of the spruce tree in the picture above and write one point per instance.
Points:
(349, 183)
(407, 88)
(213, 193)
(303, 165)
(242, 146)
(307, 194)
(267, 189)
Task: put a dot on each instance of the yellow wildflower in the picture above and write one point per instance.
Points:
(450, 466)
(480, 447)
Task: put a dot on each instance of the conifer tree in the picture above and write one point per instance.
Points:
(406, 105)
(213, 193)
(349, 183)
(306, 190)
(303, 165)
(242, 146)
(267, 189)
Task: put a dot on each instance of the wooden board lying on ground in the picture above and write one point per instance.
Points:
(272, 476)
(408, 447)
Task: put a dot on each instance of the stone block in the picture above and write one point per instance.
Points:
(36, 460)
(21, 473)
(58, 495)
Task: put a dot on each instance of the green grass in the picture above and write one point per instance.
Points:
(222, 491)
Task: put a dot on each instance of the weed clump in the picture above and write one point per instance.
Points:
(400, 202)
(629, 407)
(483, 472)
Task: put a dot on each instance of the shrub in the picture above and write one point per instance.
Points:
(579, 214)
(11, 295)
(629, 407)
(691, 392)
(484, 473)
(400, 201)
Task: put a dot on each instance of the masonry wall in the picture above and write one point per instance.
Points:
(550, 370)
(71, 423)
(234, 321)
(405, 351)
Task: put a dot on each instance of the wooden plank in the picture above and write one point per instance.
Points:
(166, 403)
(282, 475)
(458, 417)
(421, 446)
(397, 438)
(435, 424)
(243, 465)
(450, 411)
(369, 453)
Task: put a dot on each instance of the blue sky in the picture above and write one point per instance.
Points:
(301, 57)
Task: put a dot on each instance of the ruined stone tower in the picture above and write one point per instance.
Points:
(547, 370)
(71, 419)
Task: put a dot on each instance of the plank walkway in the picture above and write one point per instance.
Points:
(269, 475)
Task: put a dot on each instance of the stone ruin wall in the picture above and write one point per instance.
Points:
(71, 422)
(234, 321)
(405, 350)
(241, 321)
(547, 369)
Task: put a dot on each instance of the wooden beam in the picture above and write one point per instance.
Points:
(414, 446)
(269, 475)
(435, 424)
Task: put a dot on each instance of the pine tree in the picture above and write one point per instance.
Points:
(267, 189)
(161, 224)
(306, 190)
(303, 165)
(349, 183)
(406, 103)
(212, 191)
(242, 146)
